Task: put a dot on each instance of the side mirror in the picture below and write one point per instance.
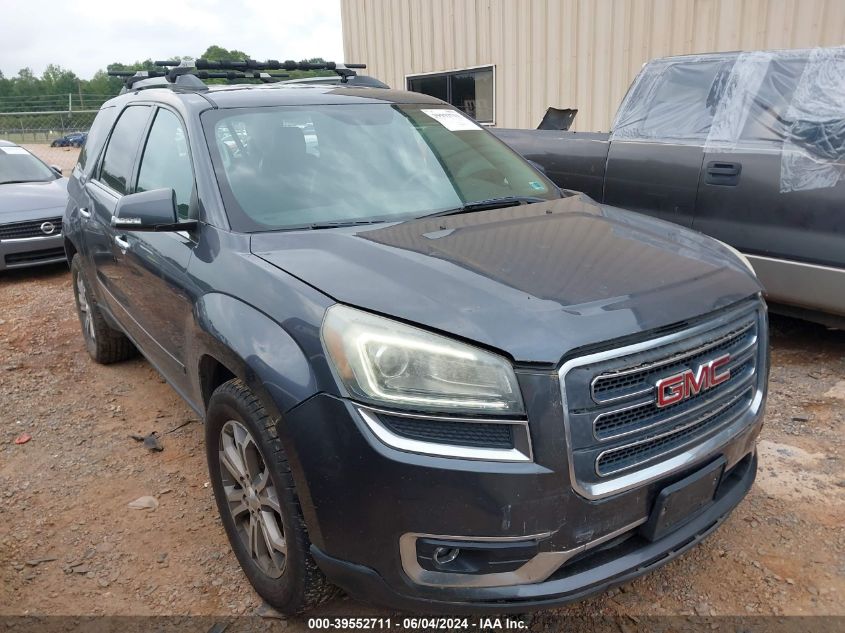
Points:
(57, 169)
(149, 211)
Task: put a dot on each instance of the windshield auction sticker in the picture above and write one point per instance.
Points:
(451, 120)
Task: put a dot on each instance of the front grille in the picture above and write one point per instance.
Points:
(31, 228)
(626, 457)
(35, 256)
(477, 434)
(607, 388)
(614, 425)
(643, 416)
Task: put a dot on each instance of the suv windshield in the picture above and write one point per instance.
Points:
(297, 166)
(18, 165)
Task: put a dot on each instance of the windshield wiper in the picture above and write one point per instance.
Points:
(17, 182)
(339, 223)
(492, 203)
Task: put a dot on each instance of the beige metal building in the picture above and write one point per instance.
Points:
(505, 61)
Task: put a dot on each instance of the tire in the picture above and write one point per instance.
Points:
(286, 577)
(104, 344)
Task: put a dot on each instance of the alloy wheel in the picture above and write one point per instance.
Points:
(84, 308)
(252, 499)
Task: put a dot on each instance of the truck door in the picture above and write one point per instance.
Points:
(657, 142)
(773, 181)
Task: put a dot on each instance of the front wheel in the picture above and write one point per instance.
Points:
(257, 501)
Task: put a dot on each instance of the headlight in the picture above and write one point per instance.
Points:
(388, 363)
(741, 257)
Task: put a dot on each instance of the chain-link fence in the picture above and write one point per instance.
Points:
(51, 127)
(62, 157)
(48, 118)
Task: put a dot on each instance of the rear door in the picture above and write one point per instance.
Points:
(773, 182)
(110, 180)
(657, 142)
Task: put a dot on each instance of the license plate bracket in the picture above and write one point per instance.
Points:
(683, 500)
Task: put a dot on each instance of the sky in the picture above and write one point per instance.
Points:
(86, 35)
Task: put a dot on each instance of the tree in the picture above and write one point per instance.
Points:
(26, 91)
(218, 53)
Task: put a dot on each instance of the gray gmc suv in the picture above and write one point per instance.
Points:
(427, 375)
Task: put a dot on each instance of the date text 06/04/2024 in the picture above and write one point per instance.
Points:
(416, 623)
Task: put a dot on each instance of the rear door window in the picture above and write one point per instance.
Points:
(766, 120)
(119, 158)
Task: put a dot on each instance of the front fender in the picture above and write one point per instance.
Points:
(256, 349)
(260, 352)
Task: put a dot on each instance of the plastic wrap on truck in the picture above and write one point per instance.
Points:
(795, 98)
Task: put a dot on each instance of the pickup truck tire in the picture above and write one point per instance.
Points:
(255, 494)
(104, 344)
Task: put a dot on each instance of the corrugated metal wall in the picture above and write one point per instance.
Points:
(570, 53)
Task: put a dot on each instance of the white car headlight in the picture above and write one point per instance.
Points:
(384, 362)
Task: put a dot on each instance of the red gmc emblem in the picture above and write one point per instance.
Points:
(688, 383)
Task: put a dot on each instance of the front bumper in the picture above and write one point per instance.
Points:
(361, 498)
(586, 577)
(34, 251)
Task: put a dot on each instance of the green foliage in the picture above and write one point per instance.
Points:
(218, 53)
(27, 92)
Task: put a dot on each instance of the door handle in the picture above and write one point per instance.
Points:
(721, 173)
(122, 242)
(85, 213)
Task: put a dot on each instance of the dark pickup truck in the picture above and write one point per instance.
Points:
(746, 147)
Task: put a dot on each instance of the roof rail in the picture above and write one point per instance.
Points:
(187, 74)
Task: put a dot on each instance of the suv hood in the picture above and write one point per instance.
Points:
(22, 197)
(533, 281)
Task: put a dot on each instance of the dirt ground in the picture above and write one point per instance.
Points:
(64, 157)
(70, 545)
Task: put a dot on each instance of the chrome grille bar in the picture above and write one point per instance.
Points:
(745, 381)
(618, 438)
(656, 440)
(647, 368)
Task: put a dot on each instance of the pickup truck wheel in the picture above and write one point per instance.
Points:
(257, 501)
(104, 344)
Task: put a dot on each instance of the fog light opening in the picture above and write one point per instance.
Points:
(445, 555)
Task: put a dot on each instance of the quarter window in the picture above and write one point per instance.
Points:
(468, 90)
(96, 138)
(116, 171)
(166, 163)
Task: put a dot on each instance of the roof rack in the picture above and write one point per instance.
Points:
(188, 74)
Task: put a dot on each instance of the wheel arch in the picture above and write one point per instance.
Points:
(231, 341)
(235, 340)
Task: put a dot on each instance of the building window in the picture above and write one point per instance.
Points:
(469, 90)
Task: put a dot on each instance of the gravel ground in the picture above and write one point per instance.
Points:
(71, 545)
(64, 157)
